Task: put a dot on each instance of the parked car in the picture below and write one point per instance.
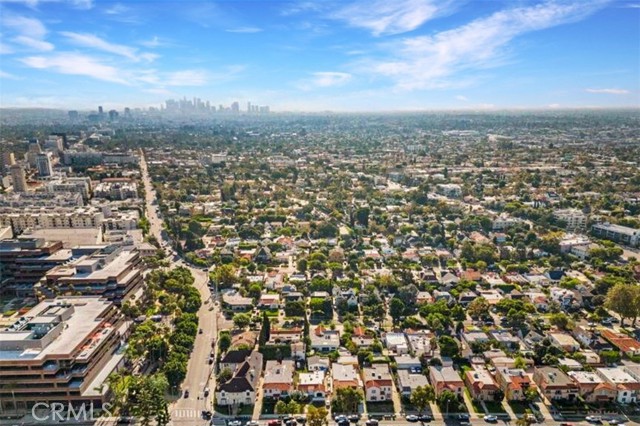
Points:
(593, 419)
(490, 418)
(412, 418)
(425, 418)
(186, 393)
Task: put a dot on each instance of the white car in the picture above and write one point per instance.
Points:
(490, 418)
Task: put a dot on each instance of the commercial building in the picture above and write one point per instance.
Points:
(110, 271)
(24, 261)
(62, 350)
(44, 164)
(621, 234)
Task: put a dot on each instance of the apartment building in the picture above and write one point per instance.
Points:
(593, 388)
(574, 218)
(378, 383)
(622, 234)
(62, 350)
(514, 382)
(481, 385)
(278, 378)
(25, 261)
(445, 378)
(554, 384)
(627, 386)
(59, 217)
(116, 190)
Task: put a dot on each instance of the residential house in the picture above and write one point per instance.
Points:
(627, 386)
(564, 341)
(241, 389)
(625, 344)
(313, 385)
(396, 342)
(554, 384)
(317, 363)
(514, 382)
(481, 385)
(445, 378)
(378, 383)
(593, 388)
(278, 378)
(508, 340)
(234, 358)
(235, 302)
(408, 382)
(345, 376)
(408, 362)
(324, 340)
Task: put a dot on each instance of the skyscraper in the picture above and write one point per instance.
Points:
(19, 178)
(44, 164)
(7, 159)
(235, 107)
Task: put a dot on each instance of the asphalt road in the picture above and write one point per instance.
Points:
(188, 411)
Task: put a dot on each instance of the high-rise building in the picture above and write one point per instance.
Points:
(73, 115)
(100, 110)
(7, 159)
(113, 115)
(44, 164)
(249, 107)
(19, 178)
(235, 107)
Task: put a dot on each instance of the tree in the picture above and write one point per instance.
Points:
(224, 276)
(241, 320)
(448, 346)
(422, 396)
(362, 216)
(225, 375)
(348, 399)
(265, 330)
(294, 309)
(302, 265)
(408, 294)
(224, 342)
(317, 416)
(498, 395)
(446, 399)
(560, 320)
(396, 309)
(281, 407)
(623, 299)
(478, 308)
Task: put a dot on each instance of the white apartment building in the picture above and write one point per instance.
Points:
(574, 218)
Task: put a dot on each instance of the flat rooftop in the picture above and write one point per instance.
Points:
(84, 323)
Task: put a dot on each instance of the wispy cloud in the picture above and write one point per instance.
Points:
(301, 7)
(117, 9)
(383, 17)
(28, 32)
(609, 91)
(155, 42)
(245, 30)
(76, 64)
(186, 78)
(462, 98)
(34, 43)
(430, 61)
(79, 4)
(324, 79)
(94, 42)
(4, 74)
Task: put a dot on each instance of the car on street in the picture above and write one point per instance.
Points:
(186, 393)
(354, 418)
(425, 418)
(301, 419)
(273, 423)
(412, 418)
(251, 423)
(593, 419)
(490, 418)
(463, 416)
(234, 423)
(371, 422)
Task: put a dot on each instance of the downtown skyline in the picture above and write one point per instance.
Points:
(316, 56)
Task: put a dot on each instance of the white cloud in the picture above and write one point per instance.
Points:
(554, 106)
(94, 42)
(154, 42)
(609, 91)
(426, 62)
(33, 43)
(245, 30)
(117, 9)
(323, 79)
(28, 32)
(9, 76)
(462, 98)
(383, 17)
(76, 64)
(30, 27)
(5, 49)
(330, 78)
(80, 4)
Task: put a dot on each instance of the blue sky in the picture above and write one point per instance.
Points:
(373, 55)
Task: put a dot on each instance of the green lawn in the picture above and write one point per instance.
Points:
(519, 407)
(495, 407)
(380, 407)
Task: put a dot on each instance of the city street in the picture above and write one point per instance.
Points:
(188, 411)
